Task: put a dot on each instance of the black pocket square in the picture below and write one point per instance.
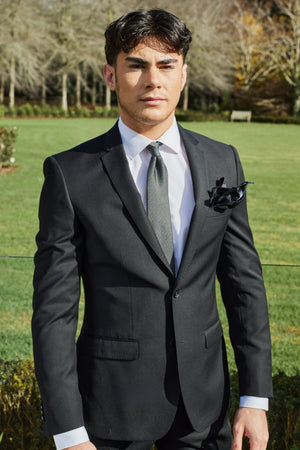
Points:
(222, 198)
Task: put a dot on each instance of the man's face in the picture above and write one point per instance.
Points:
(148, 81)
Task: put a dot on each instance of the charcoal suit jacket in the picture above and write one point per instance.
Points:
(147, 335)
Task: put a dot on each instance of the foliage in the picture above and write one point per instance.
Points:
(252, 60)
(7, 139)
(42, 42)
(284, 411)
(23, 40)
(2, 110)
(200, 116)
(210, 114)
(269, 119)
(10, 111)
(25, 110)
(28, 110)
(21, 420)
(209, 69)
(58, 112)
(98, 111)
(7, 368)
(284, 48)
(37, 110)
(46, 110)
(213, 114)
(20, 416)
(82, 111)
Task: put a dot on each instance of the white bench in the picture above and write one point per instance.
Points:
(241, 115)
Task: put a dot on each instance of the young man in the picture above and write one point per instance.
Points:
(139, 214)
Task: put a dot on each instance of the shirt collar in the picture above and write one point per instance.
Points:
(135, 143)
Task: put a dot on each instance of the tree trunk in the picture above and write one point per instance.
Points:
(12, 82)
(64, 92)
(108, 98)
(186, 96)
(94, 90)
(84, 88)
(101, 92)
(2, 82)
(203, 105)
(78, 88)
(44, 89)
(296, 105)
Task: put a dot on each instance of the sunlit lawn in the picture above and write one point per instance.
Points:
(270, 155)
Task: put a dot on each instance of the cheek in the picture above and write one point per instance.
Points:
(176, 89)
(129, 82)
(176, 83)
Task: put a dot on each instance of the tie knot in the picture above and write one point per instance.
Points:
(153, 148)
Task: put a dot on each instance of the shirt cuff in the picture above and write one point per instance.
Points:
(249, 401)
(70, 438)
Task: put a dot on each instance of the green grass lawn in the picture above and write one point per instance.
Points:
(270, 155)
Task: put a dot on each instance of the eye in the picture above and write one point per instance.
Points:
(136, 66)
(167, 67)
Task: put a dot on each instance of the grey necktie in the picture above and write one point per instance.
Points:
(158, 201)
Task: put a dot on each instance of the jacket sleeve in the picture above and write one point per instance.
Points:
(55, 304)
(242, 287)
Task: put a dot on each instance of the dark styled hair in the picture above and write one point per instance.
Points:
(138, 26)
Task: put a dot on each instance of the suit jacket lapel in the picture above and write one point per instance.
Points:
(198, 168)
(115, 162)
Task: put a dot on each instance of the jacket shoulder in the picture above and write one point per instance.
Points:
(93, 146)
(202, 139)
(211, 148)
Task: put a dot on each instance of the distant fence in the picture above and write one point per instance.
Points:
(263, 264)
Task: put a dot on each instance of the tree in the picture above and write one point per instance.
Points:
(251, 46)
(210, 59)
(100, 14)
(284, 48)
(21, 39)
(63, 17)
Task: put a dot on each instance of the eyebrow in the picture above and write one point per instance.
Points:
(134, 59)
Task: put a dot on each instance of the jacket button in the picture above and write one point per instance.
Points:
(176, 293)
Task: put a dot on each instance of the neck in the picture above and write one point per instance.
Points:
(152, 131)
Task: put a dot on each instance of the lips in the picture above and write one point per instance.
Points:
(153, 101)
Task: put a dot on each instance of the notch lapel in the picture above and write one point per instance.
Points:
(116, 165)
(198, 168)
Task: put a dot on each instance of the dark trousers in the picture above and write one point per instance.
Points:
(181, 436)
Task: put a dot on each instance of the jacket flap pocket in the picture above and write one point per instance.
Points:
(213, 334)
(107, 348)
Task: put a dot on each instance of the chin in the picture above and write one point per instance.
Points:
(153, 118)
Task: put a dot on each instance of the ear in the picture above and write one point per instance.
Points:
(109, 76)
(183, 75)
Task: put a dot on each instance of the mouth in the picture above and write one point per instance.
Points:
(153, 101)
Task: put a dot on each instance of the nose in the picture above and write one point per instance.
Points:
(152, 79)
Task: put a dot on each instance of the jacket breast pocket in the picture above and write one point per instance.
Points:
(108, 348)
(217, 214)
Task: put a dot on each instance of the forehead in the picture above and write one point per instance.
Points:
(151, 50)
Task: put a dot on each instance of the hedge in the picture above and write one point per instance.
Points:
(29, 110)
(7, 139)
(20, 418)
(268, 119)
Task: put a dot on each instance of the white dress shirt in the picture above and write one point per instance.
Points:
(181, 199)
(180, 185)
